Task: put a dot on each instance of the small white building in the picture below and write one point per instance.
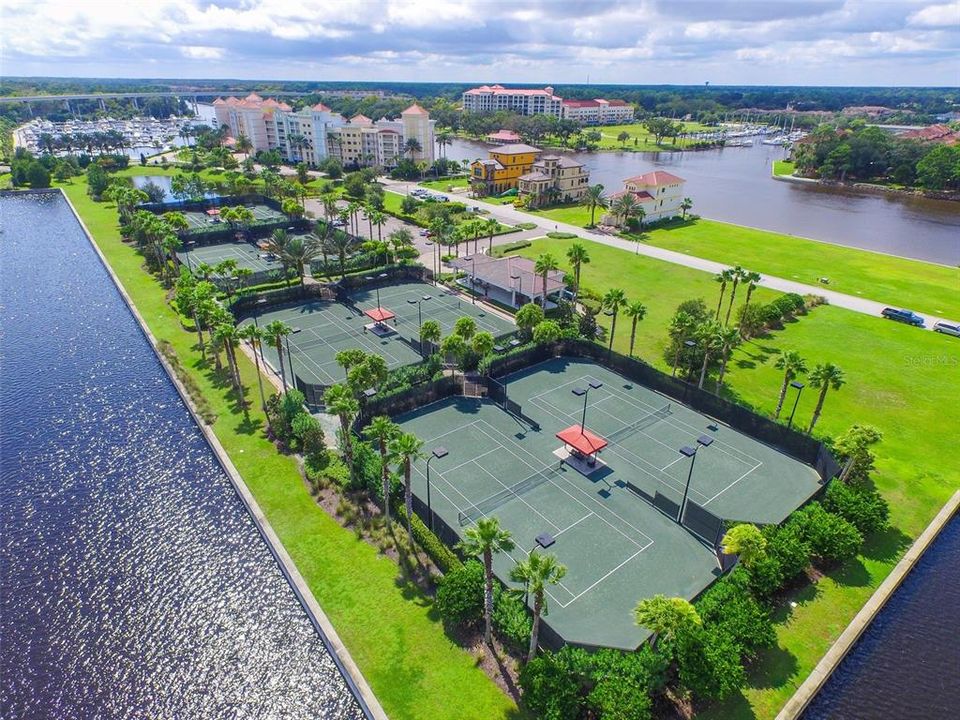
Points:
(659, 193)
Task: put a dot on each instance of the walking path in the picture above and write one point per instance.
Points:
(512, 216)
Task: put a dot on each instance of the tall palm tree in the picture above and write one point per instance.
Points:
(636, 311)
(300, 252)
(709, 340)
(739, 274)
(536, 572)
(625, 207)
(429, 333)
(407, 448)
(729, 339)
(491, 225)
(612, 302)
(377, 219)
(723, 277)
(594, 198)
(244, 145)
(295, 140)
(681, 327)
(277, 245)
(824, 376)
(275, 331)
(383, 430)
(330, 208)
(340, 401)
(341, 244)
(685, 205)
(792, 365)
(411, 147)
(752, 279)
(229, 335)
(443, 139)
(483, 540)
(665, 617)
(545, 264)
(254, 335)
(577, 256)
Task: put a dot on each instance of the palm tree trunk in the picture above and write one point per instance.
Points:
(385, 478)
(783, 395)
(263, 398)
(703, 369)
(818, 408)
(283, 374)
(613, 330)
(544, 291)
(633, 336)
(576, 277)
(535, 628)
(676, 361)
(723, 368)
(733, 295)
(488, 596)
(723, 289)
(408, 496)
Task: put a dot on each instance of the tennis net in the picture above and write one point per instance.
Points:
(641, 424)
(325, 341)
(483, 507)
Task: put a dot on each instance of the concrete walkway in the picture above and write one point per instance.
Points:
(512, 216)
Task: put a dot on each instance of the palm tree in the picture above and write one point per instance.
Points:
(792, 365)
(824, 376)
(383, 430)
(729, 338)
(752, 279)
(275, 332)
(665, 617)
(277, 245)
(244, 145)
(339, 401)
(482, 343)
(577, 256)
(350, 357)
(746, 541)
(378, 219)
(443, 139)
(254, 335)
(341, 243)
(407, 448)
(709, 340)
(429, 333)
(546, 263)
(228, 336)
(491, 226)
(636, 311)
(739, 274)
(612, 302)
(300, 252)
(536, 572)
(411, 147)
(625, 207)
(483, 540)
(594, 198)
(297, 141)
(686, 205)
(723, 277)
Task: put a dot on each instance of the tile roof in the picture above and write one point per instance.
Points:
(501, 90)
(655, 178)
(534, 176)
(514, 149)
(498, 272)
(642, 196)
(415, 110)
(320, 107)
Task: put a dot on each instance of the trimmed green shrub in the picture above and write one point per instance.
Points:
(709, 663)
(511, 619)
(366, 468)
(309, 434)
(614, 699)
(646, 668)
(862, 506)
(459, 597)
(558, 235)
(730, 607)
(831, 538)
(526, 226)
(553, 684)
(442, 556)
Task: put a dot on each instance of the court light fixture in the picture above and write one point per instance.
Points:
(705, 440)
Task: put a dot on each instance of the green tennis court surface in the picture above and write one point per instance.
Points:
(245, 254)
(201, 219)
(618, 547)
(326, 328)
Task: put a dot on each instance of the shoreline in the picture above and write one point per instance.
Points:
(824, 669)
(356, 683)
(872, 188)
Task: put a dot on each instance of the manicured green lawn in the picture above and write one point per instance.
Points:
(392, 203)
(573, 214)
(895, 376)
(445, 185)
(644, 140)
(415, 670)
(783, 167)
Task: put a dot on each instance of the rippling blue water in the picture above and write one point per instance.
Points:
(133, 583)
(907, 663)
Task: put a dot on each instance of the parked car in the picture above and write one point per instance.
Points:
(947, 328)
(424, 233)
(905, 316)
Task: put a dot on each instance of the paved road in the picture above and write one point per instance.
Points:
(510, 215)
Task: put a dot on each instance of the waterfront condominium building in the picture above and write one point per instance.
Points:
(314, 133)
(598, 111)
(659, 193)
(523, 101)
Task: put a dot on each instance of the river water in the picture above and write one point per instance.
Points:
(734, 185)
(907, 663)
(133, 582)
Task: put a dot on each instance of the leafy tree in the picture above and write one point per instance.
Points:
(853, 448)
(484, 540)
(831, 538)
(37, 175)
(661, 127)
(554, 684)
(792, 365)
(97, 180)
(547, 331)
(709, 663)
(940, 167)
(383, 430)
(728, 606)
(536, 573)
(459, 599)
(309, 432)
(824, 377)
(746, 541)
(861, 506)
(528, 317)
(665, 617)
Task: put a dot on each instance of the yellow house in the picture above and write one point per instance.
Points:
(503, 169)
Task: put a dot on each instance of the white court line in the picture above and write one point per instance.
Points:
(514, 496)
(733, 483)
(584, 592)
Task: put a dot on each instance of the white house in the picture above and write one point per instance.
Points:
(659, 193)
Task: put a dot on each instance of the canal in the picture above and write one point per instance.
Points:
(907, 662)
(133, 582)
(734, 185)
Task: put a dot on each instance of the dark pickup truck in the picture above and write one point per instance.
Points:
(905, 316)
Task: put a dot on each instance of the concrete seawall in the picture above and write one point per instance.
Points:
(848, 638)
(341, 656)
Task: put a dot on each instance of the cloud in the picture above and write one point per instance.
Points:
(542, 41)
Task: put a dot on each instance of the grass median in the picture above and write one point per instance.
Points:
(895, 377)
(387, 624)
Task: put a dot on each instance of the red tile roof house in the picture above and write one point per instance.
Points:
(934, 133)
(659, 193)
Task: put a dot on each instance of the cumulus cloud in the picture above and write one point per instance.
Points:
(636, 41)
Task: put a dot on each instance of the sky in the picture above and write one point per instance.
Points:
(735, 42)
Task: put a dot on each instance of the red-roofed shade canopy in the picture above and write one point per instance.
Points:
(582, 440)
(213, 211)
(379, 314)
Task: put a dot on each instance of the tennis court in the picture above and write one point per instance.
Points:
(245, 254)
(618, 544)
(323, 329)
(202, 219)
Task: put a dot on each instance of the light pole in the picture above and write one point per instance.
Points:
(293, 378)
(799, 388)
(691, 452)
(437, 452)
(419, 304)
(190, 244)
(585, 393)
(473, 277)
(261, 302)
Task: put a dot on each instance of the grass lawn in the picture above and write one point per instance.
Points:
(573, 214)
(892, 375)
(445, 185)
(783, 167)
(392, 203)
(644, 140)
(918, 285)
(415, 670)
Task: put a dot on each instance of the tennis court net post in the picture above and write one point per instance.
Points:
(498, 499)
(641, 424)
